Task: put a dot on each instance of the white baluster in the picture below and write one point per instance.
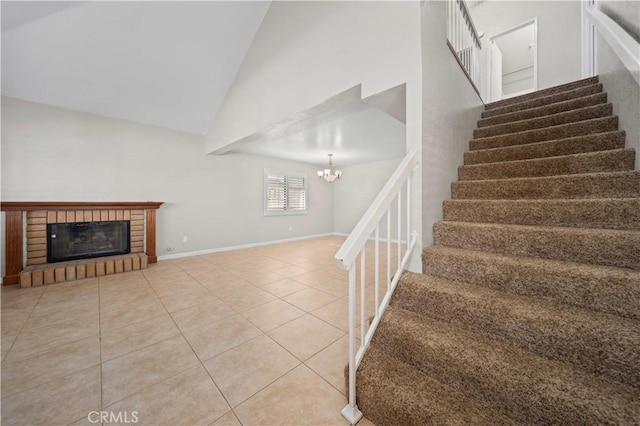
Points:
(362, 305)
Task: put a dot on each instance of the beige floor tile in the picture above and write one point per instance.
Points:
(120, 341)
(229, 287)
(309, 299)
(52, 314)
(189, 398)
(228, 419)
(111, 299)
(330, 363)
(269, 263)
(221, 336)
(305, 336)
(247, 298)
(249, 367)
(23, 373)
(125, 315)
(262, 277)
(284, 287)
(300, 397)
(15, 297)
(336, 313)
(175, 289)
(272, 314)
(313, 278)
(334, 287)
(214, 278)
(62, 401)
(6, 343)
(211, 310)
(36, 340)
(14, 320)
(189, 298)
(290, 271)
(131, 373)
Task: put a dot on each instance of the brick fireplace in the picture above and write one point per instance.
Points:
(33, 217)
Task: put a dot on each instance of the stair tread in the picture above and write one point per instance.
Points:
(609, 247)
(565, 87)
(612, 160)
(552, 148)
(584, 127)
(523, 385)
(561, 332)
(602, 288)
(564, 117)
(390, 386)
(550, 99)
(544, 110)
(608, 213)
(588, 185)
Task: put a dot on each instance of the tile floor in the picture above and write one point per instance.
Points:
(253, 337)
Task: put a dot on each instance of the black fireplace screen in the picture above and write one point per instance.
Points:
(82, 240)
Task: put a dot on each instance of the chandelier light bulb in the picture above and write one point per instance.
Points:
(330, 174)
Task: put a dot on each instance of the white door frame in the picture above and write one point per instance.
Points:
(589, 64)
(533, 21)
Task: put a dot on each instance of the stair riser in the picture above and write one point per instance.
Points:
(543, 93)
(587, 113)
(606, 161)
(598, 125)
(386, 387)
(486, 372)
(547, 100)
(585, 101)
(577, 145)
(609, 290)
(575, 340)
(597, 247)
(623, 185)
(604, 213)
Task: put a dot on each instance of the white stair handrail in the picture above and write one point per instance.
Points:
(355, 246)
(350, 249)
(625, 46)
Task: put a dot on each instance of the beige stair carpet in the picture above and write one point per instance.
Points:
(528, 310)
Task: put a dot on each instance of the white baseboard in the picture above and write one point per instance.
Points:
(241, 246)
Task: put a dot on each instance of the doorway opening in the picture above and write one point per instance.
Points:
(514, 61)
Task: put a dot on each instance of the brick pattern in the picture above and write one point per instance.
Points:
(51, 273)
(37, 228)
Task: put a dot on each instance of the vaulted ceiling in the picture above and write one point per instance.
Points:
(162, 63)
(170, 64)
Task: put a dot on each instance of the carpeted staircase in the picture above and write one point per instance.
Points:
(528, 311)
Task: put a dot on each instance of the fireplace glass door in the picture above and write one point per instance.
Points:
(82, 240)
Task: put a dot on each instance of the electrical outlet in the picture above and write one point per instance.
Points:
(291, 228)
(169, 249)
(184, 239)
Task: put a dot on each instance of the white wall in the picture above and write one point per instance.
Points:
(451, 109)
(355, 193)
(51, 153)
(623, 91)
(625, 13)
(559, 36)
(306, 52)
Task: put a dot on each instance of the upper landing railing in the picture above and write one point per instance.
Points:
(381, 245)
(463, 40)
(624, 45)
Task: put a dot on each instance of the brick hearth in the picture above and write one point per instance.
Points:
(36, 271)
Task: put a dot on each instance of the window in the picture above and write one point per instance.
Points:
(285, 193)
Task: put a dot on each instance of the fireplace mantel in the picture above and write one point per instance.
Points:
(14, 238)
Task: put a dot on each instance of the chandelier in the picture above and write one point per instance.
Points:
(330, 174)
